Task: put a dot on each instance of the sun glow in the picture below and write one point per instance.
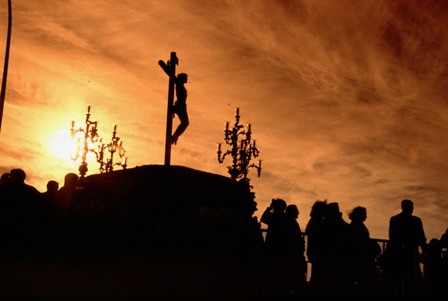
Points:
(62, 146)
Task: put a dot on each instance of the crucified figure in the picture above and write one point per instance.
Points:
(180, 106)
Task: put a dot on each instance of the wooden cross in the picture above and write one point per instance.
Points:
(170, 70)
(5, 68)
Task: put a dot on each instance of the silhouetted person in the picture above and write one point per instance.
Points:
(315, 244)
(444, 239)
(4, 179)
(406, 236)
(180, 106)
(444, 246)
(295, 265)
(24, 196)
(365, 250)
(433, 268)
(4, 182)
(66, 194)
(274, 217)
(48, 202)
(275, 246)
(68, 228)
(4, 212)
(337, 253)
(23, 204)
(48, 213)
(49, 196)
(4, 186)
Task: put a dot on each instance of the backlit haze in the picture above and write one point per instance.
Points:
(348, 100)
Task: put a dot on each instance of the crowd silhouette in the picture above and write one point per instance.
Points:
(330, 257)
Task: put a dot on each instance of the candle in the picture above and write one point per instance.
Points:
(259, 164)
(73, 124)
(255, 143)
(248, 127)
(219, 147)
(237, 111)
(88, 109)
(227, 126)
(115, 128)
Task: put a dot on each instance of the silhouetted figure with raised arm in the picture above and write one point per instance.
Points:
(315, 244)
(296, 266)
(274, 217)
(275, 245)
(406, 236)
(180, 106)
(365, 250)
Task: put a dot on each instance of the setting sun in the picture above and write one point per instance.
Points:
(62, 146)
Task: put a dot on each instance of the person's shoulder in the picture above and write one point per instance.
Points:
(416, 218)
(32, 189)
(396, 216)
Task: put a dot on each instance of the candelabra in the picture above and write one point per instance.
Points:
(242, 150)
(107, 164)
(87, 138)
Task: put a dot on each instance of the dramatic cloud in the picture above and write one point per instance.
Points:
(347, 99)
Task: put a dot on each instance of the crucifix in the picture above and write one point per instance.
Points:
(170, 70)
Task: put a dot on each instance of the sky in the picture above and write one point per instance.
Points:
(347, 100)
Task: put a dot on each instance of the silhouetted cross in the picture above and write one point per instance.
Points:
(170, 70)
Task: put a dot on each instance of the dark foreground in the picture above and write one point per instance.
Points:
(152, 278)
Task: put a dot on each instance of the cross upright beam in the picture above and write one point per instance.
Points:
(170, 70)
(5, 67)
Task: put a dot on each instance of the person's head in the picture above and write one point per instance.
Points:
(407, 206)
(17, 176)
(278, 205)
(5, 178)
(358, 214)
(52, 186)
(435, 245)
(292, 211)
(182, 77)
(332, 211)
(70, 180)
(318, 209)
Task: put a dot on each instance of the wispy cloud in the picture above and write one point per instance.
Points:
(347, 99)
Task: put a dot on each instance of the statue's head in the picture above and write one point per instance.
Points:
(183, 77)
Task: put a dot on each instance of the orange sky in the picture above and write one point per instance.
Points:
(347, 99)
